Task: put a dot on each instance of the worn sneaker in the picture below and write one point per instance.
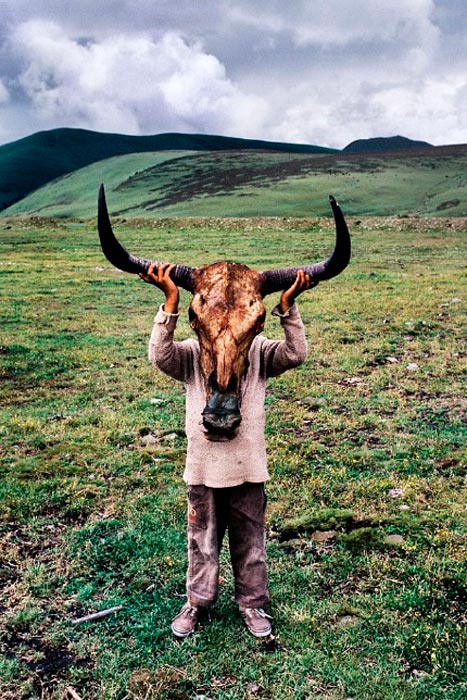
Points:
(186, 621)
(257, 621)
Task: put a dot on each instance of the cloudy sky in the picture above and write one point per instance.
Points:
(315, 71)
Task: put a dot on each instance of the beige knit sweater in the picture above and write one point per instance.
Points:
(215, 463)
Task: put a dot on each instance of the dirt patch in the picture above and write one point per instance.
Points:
(48, 663)
(206, 174)
(448, 204)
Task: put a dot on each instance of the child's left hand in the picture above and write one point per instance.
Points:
(302, 283)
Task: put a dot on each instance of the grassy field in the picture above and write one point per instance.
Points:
(367, 504)
(258, 183)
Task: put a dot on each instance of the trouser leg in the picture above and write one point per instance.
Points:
(247, 505)
(205, 534)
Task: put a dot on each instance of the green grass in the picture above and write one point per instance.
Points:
(75, 195)
(31, 162)
(361, 448)
(249, 183)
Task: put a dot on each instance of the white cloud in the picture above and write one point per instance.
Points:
(132, 84)
(433, 111)
(4, 101)
(325, 72)
(342, 22)
(4, 94)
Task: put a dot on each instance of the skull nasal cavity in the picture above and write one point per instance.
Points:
(212, 382)
(214, 385)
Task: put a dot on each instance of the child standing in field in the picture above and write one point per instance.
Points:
(225, 477)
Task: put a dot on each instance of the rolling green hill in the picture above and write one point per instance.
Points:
(31, 162)
(426, 181)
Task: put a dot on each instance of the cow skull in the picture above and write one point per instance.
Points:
(226, 310)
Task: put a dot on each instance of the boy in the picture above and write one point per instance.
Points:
(225, 477)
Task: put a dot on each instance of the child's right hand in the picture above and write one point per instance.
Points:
(161, 278)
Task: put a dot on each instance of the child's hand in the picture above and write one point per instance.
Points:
(162, 279)
(302, 282)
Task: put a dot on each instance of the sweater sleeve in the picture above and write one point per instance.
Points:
(280, 355)
(172, 358)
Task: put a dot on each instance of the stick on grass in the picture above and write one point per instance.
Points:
(97, 615)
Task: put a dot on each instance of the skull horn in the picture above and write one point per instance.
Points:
(276, 280)
(122, 259)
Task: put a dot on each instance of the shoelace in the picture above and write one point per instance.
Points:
(189, 609)
(251, 612)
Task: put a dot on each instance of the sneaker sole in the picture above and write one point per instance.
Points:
(179, 634)
(266, 633)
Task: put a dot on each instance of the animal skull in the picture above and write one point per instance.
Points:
(226, 311)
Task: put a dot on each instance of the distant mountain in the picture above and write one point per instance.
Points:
(385, 144)
(31, 162)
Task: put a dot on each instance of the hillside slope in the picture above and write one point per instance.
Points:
(257, 183)
(31, 162)
(385, 144)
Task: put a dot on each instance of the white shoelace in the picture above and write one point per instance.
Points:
(251, 612)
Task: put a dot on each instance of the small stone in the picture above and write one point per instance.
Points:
(395, 493)
(148, 440)
(156, 401)
(324, 536)
(419, 674)
(346, 621)
(253, 688)
(313, 403)
(170, 437)
(454, 300)
(394, 539)
(392, 360)
(353, 381)
(412, 367)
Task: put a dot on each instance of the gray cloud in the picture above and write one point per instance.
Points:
(325, 72)
(128, 84)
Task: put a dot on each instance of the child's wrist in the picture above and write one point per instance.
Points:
(171, 305)
(285, 305)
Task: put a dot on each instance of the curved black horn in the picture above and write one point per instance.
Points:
(276, 280)
(122, 259)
